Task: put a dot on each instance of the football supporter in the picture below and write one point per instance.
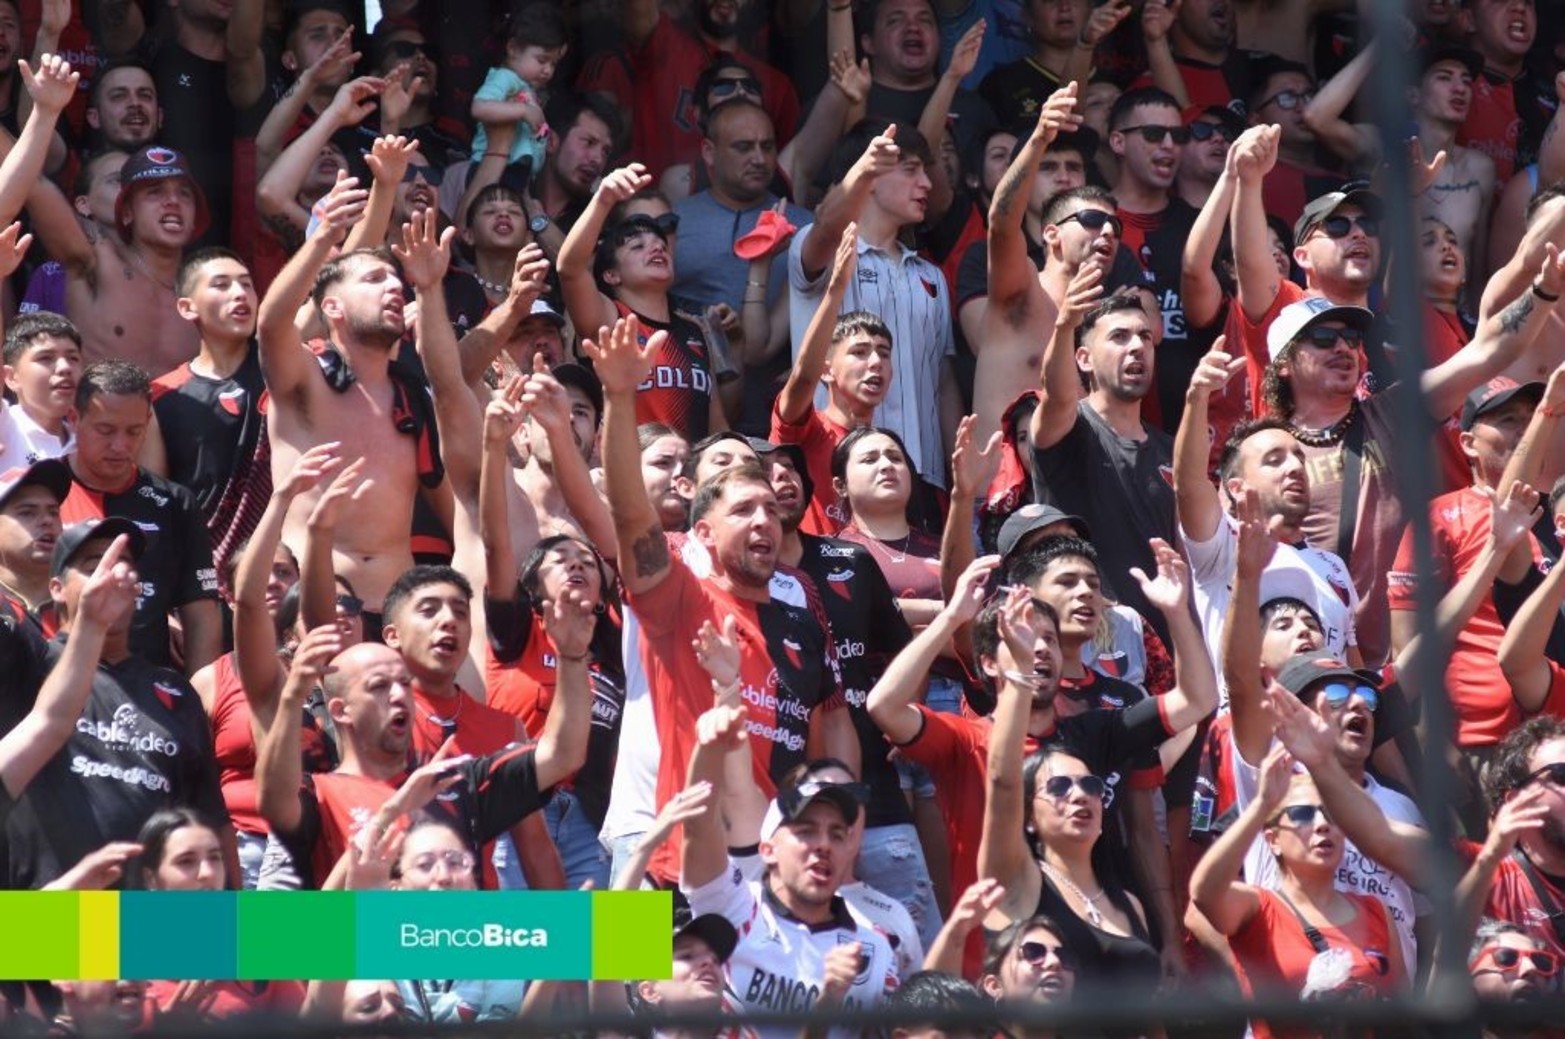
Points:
(43, 364)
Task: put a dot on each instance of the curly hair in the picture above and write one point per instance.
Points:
(1511, 767)
(1276, 391)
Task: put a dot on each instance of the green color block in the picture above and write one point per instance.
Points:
(42, 929)
(296, 935)
(632, 935)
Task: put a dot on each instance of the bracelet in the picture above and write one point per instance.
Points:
(1021, 678)
(730, 689)
(762, 285)
(1547, 297)
(575, 660)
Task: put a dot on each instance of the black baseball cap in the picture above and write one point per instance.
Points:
(50, 473)
(763, 448)
(793, 798)
(1325, 205)
(1496, 393)
(1307, 669)
(74, 538)
(715, 930)
(149, 165)
(1033, 517)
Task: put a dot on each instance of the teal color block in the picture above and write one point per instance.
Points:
(481, 935)
(189, 935)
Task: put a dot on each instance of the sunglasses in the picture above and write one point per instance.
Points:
(1339, 693)
(1554, 775)
(1206, 131)
(723, 89)
(1322, 337)
(432, 175)
(1288, 100)
(1504, 958)
(1095, 220)
(405, 49)
(352, 605)
(1342, 226)
(1059, 787)
(1037, 953)
(1301, 815)
(811, 787)
(1154, 134)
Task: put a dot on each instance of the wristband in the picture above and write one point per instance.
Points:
(1553, 410)
(1021, 678)
(1547, 297)
(762, 285)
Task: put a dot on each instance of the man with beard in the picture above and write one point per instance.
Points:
(123, 108)
(1094, 456)
(583, 131)
(902, 40)
(867, 629)
(1264, 458)
(654, 77)
(788, 672)
(1509, 964)
(349, 394)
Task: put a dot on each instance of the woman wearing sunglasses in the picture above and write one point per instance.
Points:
(1304, 939)
(1028, 963)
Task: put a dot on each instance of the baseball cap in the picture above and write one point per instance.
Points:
(1306, 669)
(1495, 393)
(572, 374)
(1323, 206)
(1033, 517)
(541, 308)
(1232, 122)
(49, 472)
(713, 929)
(74, 538)
(1292, 321)
(764, 448)
(1431, 54)
(793, 799)
(148, 166)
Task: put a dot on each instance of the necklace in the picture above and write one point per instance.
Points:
(448, 725)
(1094, 917)
(142, 264)
(900, 556)
(1330, 435)
(491, 286)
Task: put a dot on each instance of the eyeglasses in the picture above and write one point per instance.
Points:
(351, 605)
(1554, 775)
(1301, 815)
(1059, 787)
(1504, 958)
(1095, 220)
(1342, 226)
(1288, 100)
(455, 861)
(1324, 337)
(405, 49)
(1339, 693)
(1154, 134)
(723, 89)
(432, 175)
(1206, 131)
(1037, 953)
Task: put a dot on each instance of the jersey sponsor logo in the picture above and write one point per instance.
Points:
(137, 775)
(668, 377)
(123, 732)
(836, 551)
(850, 649)
(232, 401)
(160, 500)
(780, 706)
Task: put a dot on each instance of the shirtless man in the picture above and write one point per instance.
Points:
(359, 296)
(120, 292)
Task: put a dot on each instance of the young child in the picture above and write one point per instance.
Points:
(510, 93)
(43, 361)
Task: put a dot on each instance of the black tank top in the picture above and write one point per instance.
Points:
(1103, 958)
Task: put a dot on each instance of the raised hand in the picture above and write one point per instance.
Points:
(972, 591)
(1157, 17)
(52, 86)
(622, 363)
(1527, 809)
(1304, 733)
(975, 904)
(1553, 402)
(545, 399)
(504, 414)
(681, 808)
(397, 99)
(1422, 173)
(529, 277)
(1214, 370)
(370, 856)
(570, 621)
(1081, 295)
(1170, 589)
(110, 593)
(425, 783)
(425, 252)
(190, 1002)
(1255, 152)
(98, 869)
(623, 183)
(1019, 624)
(1105, 20)
(310, 468)
(853, 80)
(1513, 516)
(881, 156)
(335, 61)
(348, 485)
(312, 660)
(1058, 115)
(972, 469)
(389, 157)
(846, 259)
(1551, 275)
(722, 727)
(53, 17)
(355, 100)
(13, 248)
(964, 56)
(1276, 775)
(1256, 544)
(340, 208)
(717, 651)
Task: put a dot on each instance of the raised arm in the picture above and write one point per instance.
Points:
(1157, 18)
(284, 115)
(1012, 275)
(807, 152)
(284, 361)
(279, 768)
(1198, 502)
(1256, 279)
(972, 470)
(845, 201)
(502, 418)
(933, 122)
(484, 341)
(108, 596)
(1215, 888)
(1055, 414)
(621, 364)
(1523, 651)
(1510, 282)
(562, 749)
(1198, 284)
(1194, 695)
(388, 160)
(317, 568)
(892, 703)
(743, 804)
(704, 851)
(1252, 725)
(1357, 145)
(277, 195)
(244, 63)
(588, 307)
(550, 407)
(489, 169)
(797, 398)
(50, 89)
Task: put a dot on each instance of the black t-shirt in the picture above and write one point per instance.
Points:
(198, 122)
(176, 566)
(1016, 91)
(1123, 489)
(868, 630)
(969, 116)
(142, 743)
(1182, 347)
(211, 428)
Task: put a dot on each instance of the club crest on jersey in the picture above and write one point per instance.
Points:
(232, 401)
(1167, 473)
(794, 653)
(167, 694)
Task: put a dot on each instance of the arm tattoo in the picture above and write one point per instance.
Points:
(1513, 317)
(1010, 185)
(650, 551)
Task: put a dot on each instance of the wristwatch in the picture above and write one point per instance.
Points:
(540, 223)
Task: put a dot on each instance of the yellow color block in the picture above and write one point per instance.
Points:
(100, 936)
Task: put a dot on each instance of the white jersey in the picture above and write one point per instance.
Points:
(23, 441)
(780, 961)
(1358, 872)
(633, 795)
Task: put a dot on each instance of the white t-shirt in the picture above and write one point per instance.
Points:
(633, 794)
(1358, 872)
(1311, 575)
(23, 441)
(780, 961)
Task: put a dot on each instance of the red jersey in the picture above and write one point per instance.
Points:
(1288, 188)
(656, 83)
(678, 390)
(1251, 336)
(237, 998)
(347, 803)
(524, 688)
(1512, 897)
(787, 670)
(1493, 125)
(818, 436)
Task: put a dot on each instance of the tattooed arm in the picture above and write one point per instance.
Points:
(1011, 274)
(1499, 342)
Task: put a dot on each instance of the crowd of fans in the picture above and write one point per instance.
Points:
(915, 477)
